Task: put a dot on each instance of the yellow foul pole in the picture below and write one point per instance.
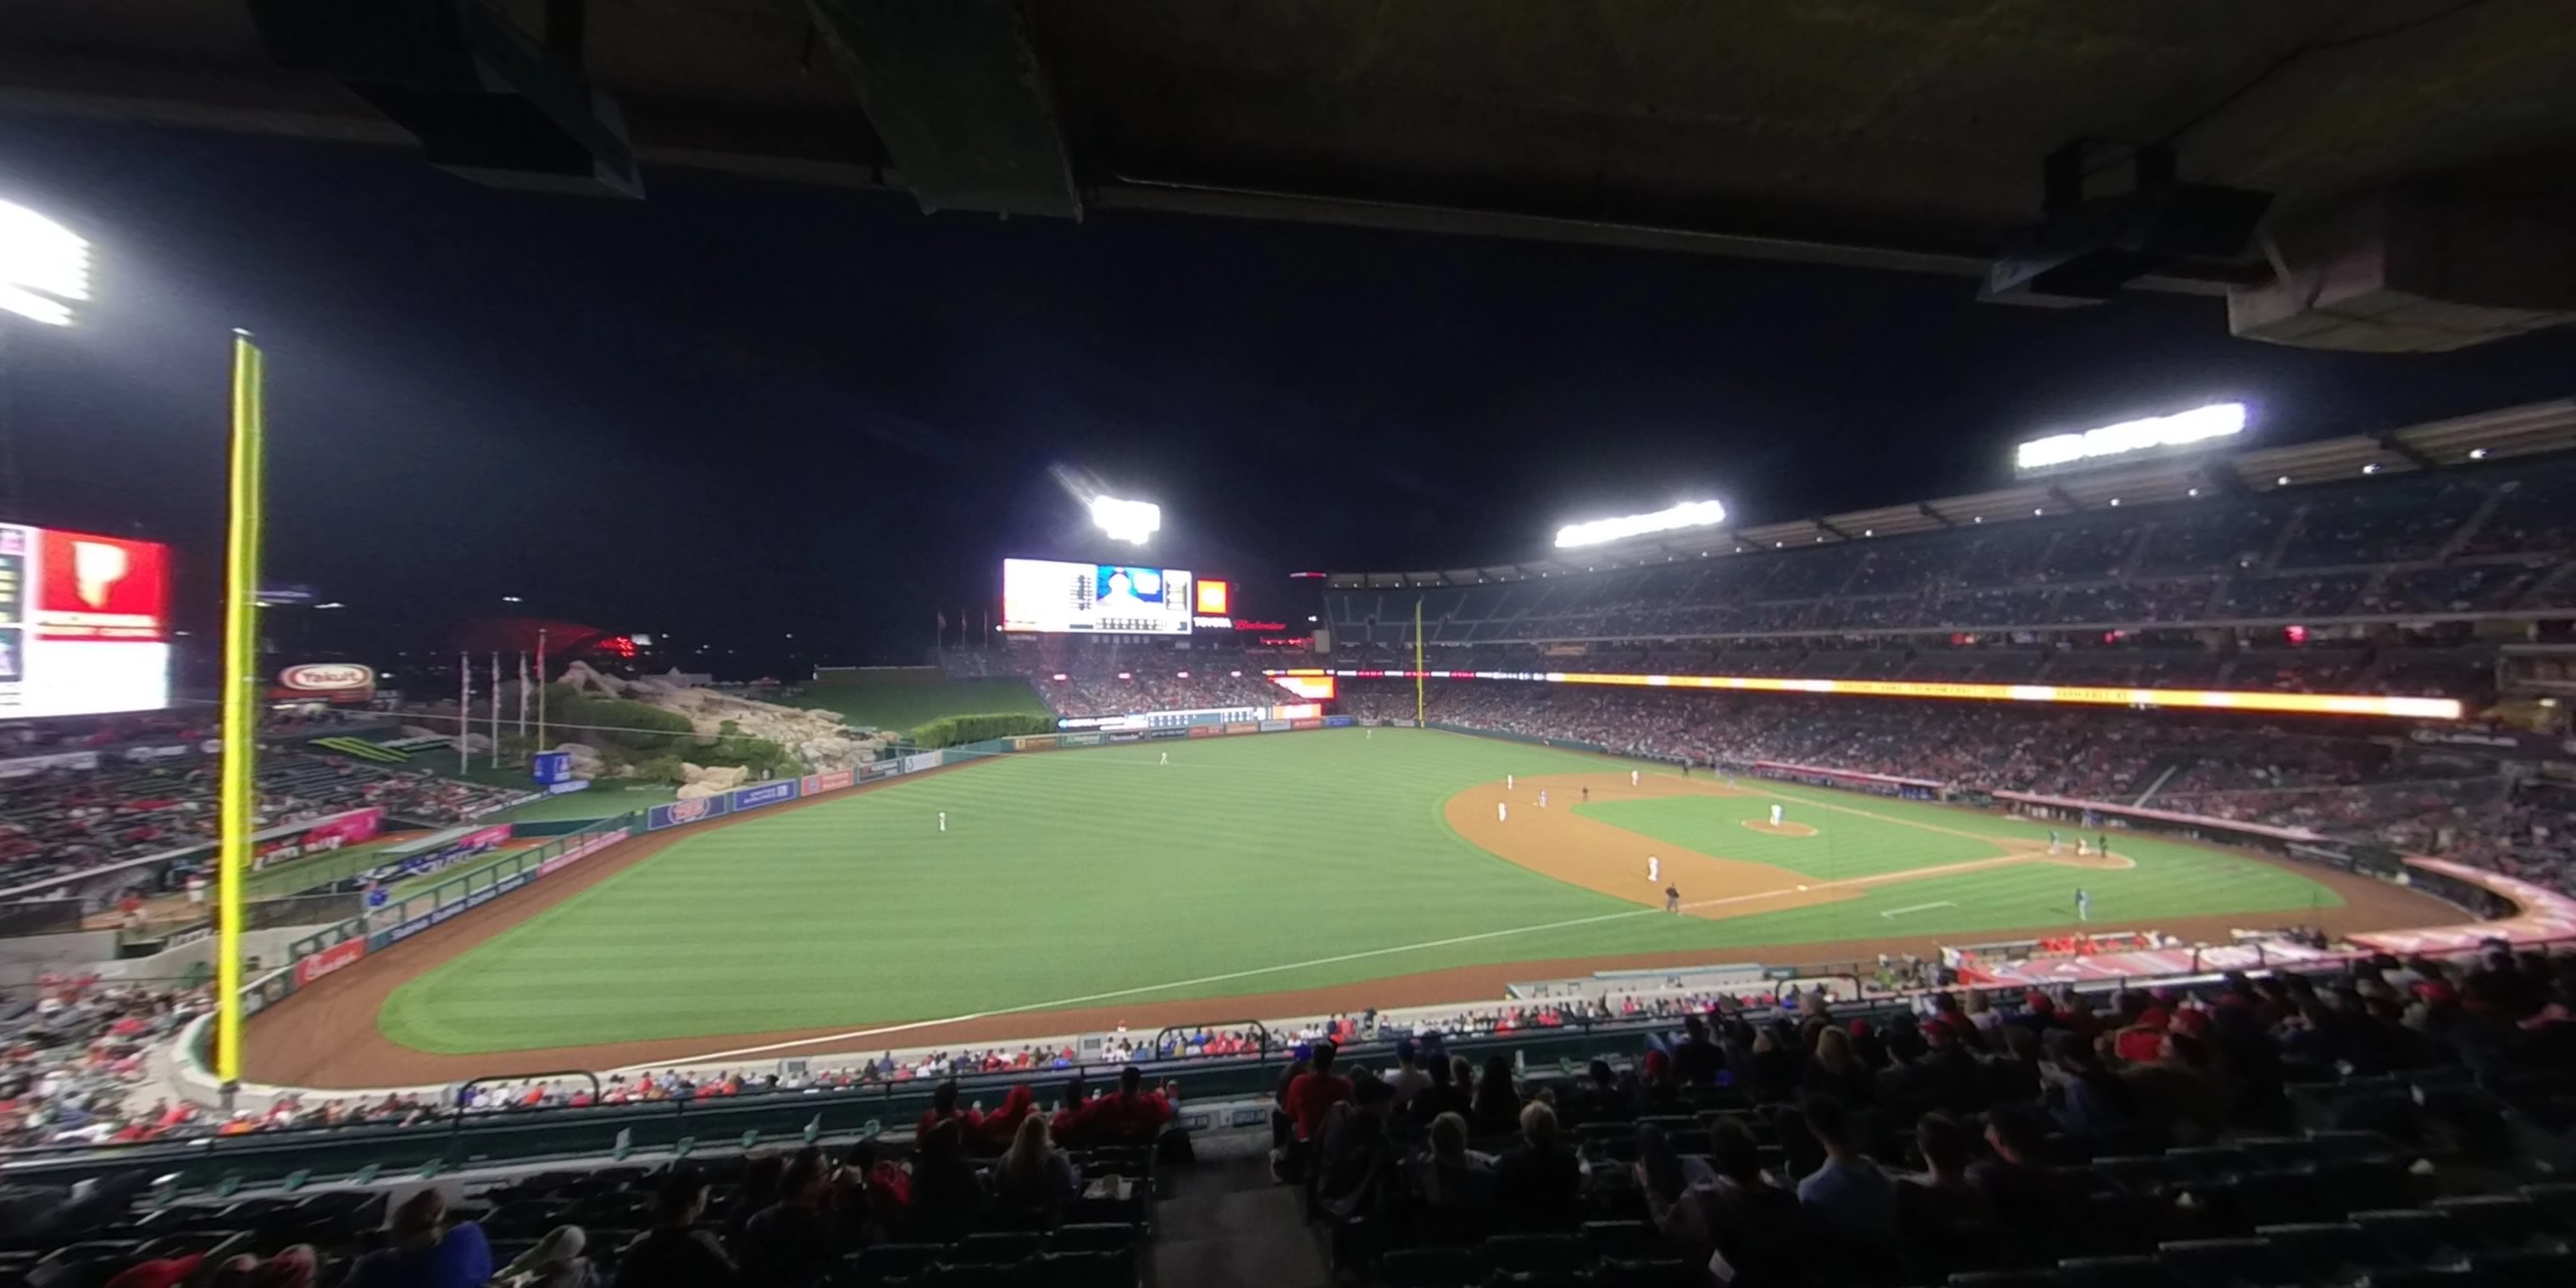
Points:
(241, 714)
(1418, 720)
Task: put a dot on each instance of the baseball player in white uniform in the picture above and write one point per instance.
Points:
(1775, 815)
(1542, 798)
(1654, 869)
(1502, 811)
(1632, 778)
(1511, 783)
(943, 820)
(1167, 759)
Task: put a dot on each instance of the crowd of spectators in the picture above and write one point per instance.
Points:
(1814, 1149)
(75, 1050)
(2412, 545)
(58, 821)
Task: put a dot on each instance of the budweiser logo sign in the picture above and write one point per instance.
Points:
(327, 677)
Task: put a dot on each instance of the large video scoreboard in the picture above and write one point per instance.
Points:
(84, 623)
(1094, 599)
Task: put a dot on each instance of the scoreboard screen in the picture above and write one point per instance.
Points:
(1098, 599)
(84, 624)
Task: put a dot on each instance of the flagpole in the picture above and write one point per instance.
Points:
(496, 708)
(464, 711)
(523, 693)
(241, 660)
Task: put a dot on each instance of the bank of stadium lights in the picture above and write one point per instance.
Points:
(44, 267)
(1689, 514)
(2218, 420)
(1128, 521)
(2477, 453)
(2372, 468)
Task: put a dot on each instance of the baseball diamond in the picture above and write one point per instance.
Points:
(1290, 874)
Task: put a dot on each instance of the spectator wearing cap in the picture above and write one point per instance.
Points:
(675, 1253)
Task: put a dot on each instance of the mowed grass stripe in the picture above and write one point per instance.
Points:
(1075, 874)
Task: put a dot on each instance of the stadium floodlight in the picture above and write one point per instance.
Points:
(1689, 514)
(44, 267)
(2218, 420)
(1128, 521)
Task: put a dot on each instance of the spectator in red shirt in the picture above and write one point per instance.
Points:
(1315, 1091)
(998, 1128)
(1131, 1116)
(943, 1106)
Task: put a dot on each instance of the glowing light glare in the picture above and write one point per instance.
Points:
(42, 265)
(1690, 514)
(1128, 521)
(2218, 420)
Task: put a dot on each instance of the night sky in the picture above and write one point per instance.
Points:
(737, 410)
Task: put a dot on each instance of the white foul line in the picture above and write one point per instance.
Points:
(1114, 994)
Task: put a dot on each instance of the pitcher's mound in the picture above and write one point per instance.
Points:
(1784, 829)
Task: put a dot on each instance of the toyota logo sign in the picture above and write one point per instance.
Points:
(327, 677)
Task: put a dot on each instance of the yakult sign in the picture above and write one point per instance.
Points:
(327, 677)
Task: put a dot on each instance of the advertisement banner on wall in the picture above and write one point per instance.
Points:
(878, 769)
(482, 840)
(1181, 732)
(920, 760)
(320, 837)
(1247, 726)
(329, 961)
(1306, 724)
(1337, 722)
(754, 797)
(830, 781)
(679, 812)
(1273, 726)
(22, 766)
(1078, 740)
(1206, 731)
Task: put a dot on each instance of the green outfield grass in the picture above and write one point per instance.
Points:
(606, 798)
(1247, 865)
(905, 699)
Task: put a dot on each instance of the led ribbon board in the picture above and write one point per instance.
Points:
(2316, 704)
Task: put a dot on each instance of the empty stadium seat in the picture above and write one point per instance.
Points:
(2229, 1263)
(1528, 1253)
(1429, 1268)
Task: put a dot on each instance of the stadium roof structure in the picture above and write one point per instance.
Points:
(1879, 133)
(2469, 442)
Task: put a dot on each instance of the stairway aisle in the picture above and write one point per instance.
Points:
(1227, 1224)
